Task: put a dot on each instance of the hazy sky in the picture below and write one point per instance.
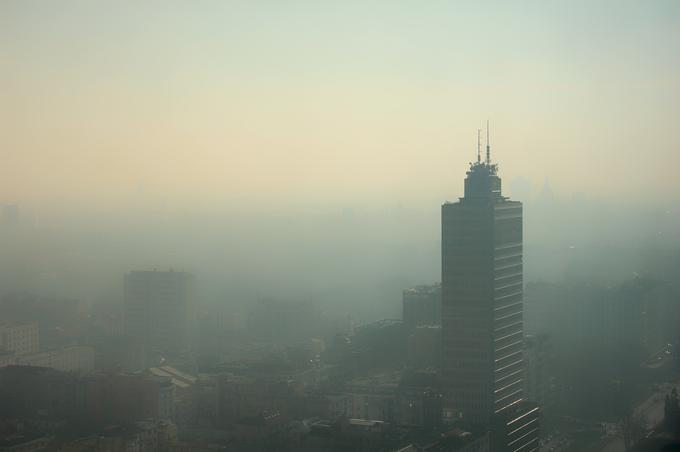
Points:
(289, 102)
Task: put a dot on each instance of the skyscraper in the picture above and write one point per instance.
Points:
(482, 297)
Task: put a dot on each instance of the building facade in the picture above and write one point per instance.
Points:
(422, 306)
(539, 383)
(75, 358)
(516, 428)
(482, 290)
(20, 338)
(127, 397)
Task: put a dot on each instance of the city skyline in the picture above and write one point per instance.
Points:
(269, 226)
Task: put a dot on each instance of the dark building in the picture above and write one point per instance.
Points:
(424, 347)
(127, 397)
(539, 379)
(516, 428)
(159, 310)
(422, 306)
(482, 330)
(28, 392)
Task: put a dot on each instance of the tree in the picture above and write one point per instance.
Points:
(633, 427)
(671, 411)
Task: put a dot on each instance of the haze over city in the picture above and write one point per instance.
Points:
(295, 159)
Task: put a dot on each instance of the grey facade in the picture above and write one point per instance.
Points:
(482, 290)
(516, 429)
(422, 306)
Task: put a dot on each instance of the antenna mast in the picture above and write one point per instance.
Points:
(488, 148)
(479, 145)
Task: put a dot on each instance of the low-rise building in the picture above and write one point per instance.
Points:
(141, 436)
(129, 397)
(28, 392)
(25, 443)
(390, 398)
(539, 383)
(422, 306)
(20, 338)
(75, 358)
(184, 385)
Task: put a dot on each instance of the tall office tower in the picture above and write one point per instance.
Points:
(159, 310)
(482, 362)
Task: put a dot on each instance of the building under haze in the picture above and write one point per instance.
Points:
(159, 310)
(422, 306)
(19, 338)
(482, 333)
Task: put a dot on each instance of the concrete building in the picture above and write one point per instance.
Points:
(242, 397)
(159, 310)
(7, 359)
(389, 397)
(422, 306)
(184, 396)
(128, 397)
(141, 436)
(76, 358)
(424, 347)
(28, 392)
(20, 338)
(482, 289)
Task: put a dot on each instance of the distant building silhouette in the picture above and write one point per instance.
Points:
(159, 310)
(19, 338)
(422, 306)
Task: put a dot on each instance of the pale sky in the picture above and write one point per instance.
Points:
(291, 102)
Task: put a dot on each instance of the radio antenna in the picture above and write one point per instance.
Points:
(488, 147)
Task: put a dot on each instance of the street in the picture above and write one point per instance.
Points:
(652, 410)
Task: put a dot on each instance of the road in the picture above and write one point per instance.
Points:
(652, 411)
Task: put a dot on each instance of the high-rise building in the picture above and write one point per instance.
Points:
(482, 362)
(159, 310)
(515, 429)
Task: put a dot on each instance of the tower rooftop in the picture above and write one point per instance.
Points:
(482, 181)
